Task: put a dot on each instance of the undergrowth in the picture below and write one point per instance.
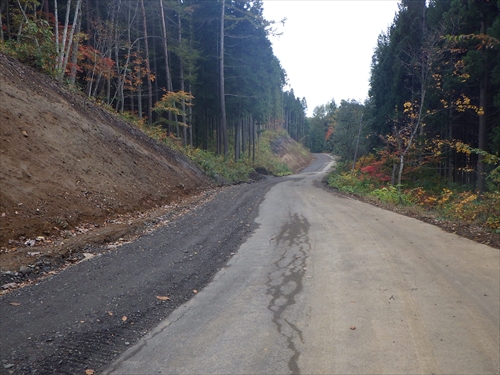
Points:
(449, 202)
(223, 170)
(266, 158)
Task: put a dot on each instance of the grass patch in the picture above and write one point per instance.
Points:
(266, 159)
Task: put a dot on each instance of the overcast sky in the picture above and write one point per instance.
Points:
(327, 45)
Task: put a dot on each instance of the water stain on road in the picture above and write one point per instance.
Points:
(285, 281)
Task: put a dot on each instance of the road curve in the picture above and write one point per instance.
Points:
(331, 285)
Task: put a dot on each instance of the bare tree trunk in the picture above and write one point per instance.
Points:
(7, 17)
(223, 123)
(481, 137)
(357, 143)
(181, 77)
(167, 64)
(450, 153)
(148, 66)
(74, 57)
(237, 140)
(127, 62)
(190, 121)
(119, 85)
(250, 138)
(165, 49)
(139, 87)
(2, 5)
(60, 57)
(72, 34)
(45, 7)
(244, 125)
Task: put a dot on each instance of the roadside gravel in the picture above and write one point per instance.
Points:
(84, 316)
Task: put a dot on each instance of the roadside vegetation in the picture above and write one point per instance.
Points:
(226, 169)
(220, 103)
(371, 177)
(428, 136)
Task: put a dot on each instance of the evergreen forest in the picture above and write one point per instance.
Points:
(202, 71)
(433, 109)
(429, 133)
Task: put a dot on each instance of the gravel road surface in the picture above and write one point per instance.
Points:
(277, 277)
(83, 317)
(331, 285)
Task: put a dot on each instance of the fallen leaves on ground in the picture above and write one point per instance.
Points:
(163, 298)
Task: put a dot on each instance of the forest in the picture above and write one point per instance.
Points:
(202, 71)
(429, 133)
(433, 110)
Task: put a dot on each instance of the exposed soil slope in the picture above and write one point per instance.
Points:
(69, 166)
(291, 153)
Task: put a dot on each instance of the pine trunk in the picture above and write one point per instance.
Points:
(181, 78)
(223, 124)
(148, 66)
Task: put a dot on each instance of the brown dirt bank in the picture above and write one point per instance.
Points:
(68, 166)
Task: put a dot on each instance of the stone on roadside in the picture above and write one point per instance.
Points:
(25, 270)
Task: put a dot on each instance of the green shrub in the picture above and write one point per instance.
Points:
(222, 170)
(266, 158)
(349, 182)
(390, 195)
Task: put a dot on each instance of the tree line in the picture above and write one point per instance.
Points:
(204, 71)
(433, 111)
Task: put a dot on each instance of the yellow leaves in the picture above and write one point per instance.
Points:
(174, 102)
(464, 77)
(466, 149)
(171, 98)
(464, 103)
(483, 40)
(445, 196)
(467, 206)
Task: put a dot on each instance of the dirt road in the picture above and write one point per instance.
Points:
(331, 285)
(84, 316)
(316, 283)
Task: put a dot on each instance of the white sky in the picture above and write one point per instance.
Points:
(327, 45)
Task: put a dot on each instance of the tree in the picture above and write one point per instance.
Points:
(149, 78)
(346, 136)
(133, 51)
(433, 79)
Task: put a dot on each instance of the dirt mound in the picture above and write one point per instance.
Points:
(291, 153)
(67, 165)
